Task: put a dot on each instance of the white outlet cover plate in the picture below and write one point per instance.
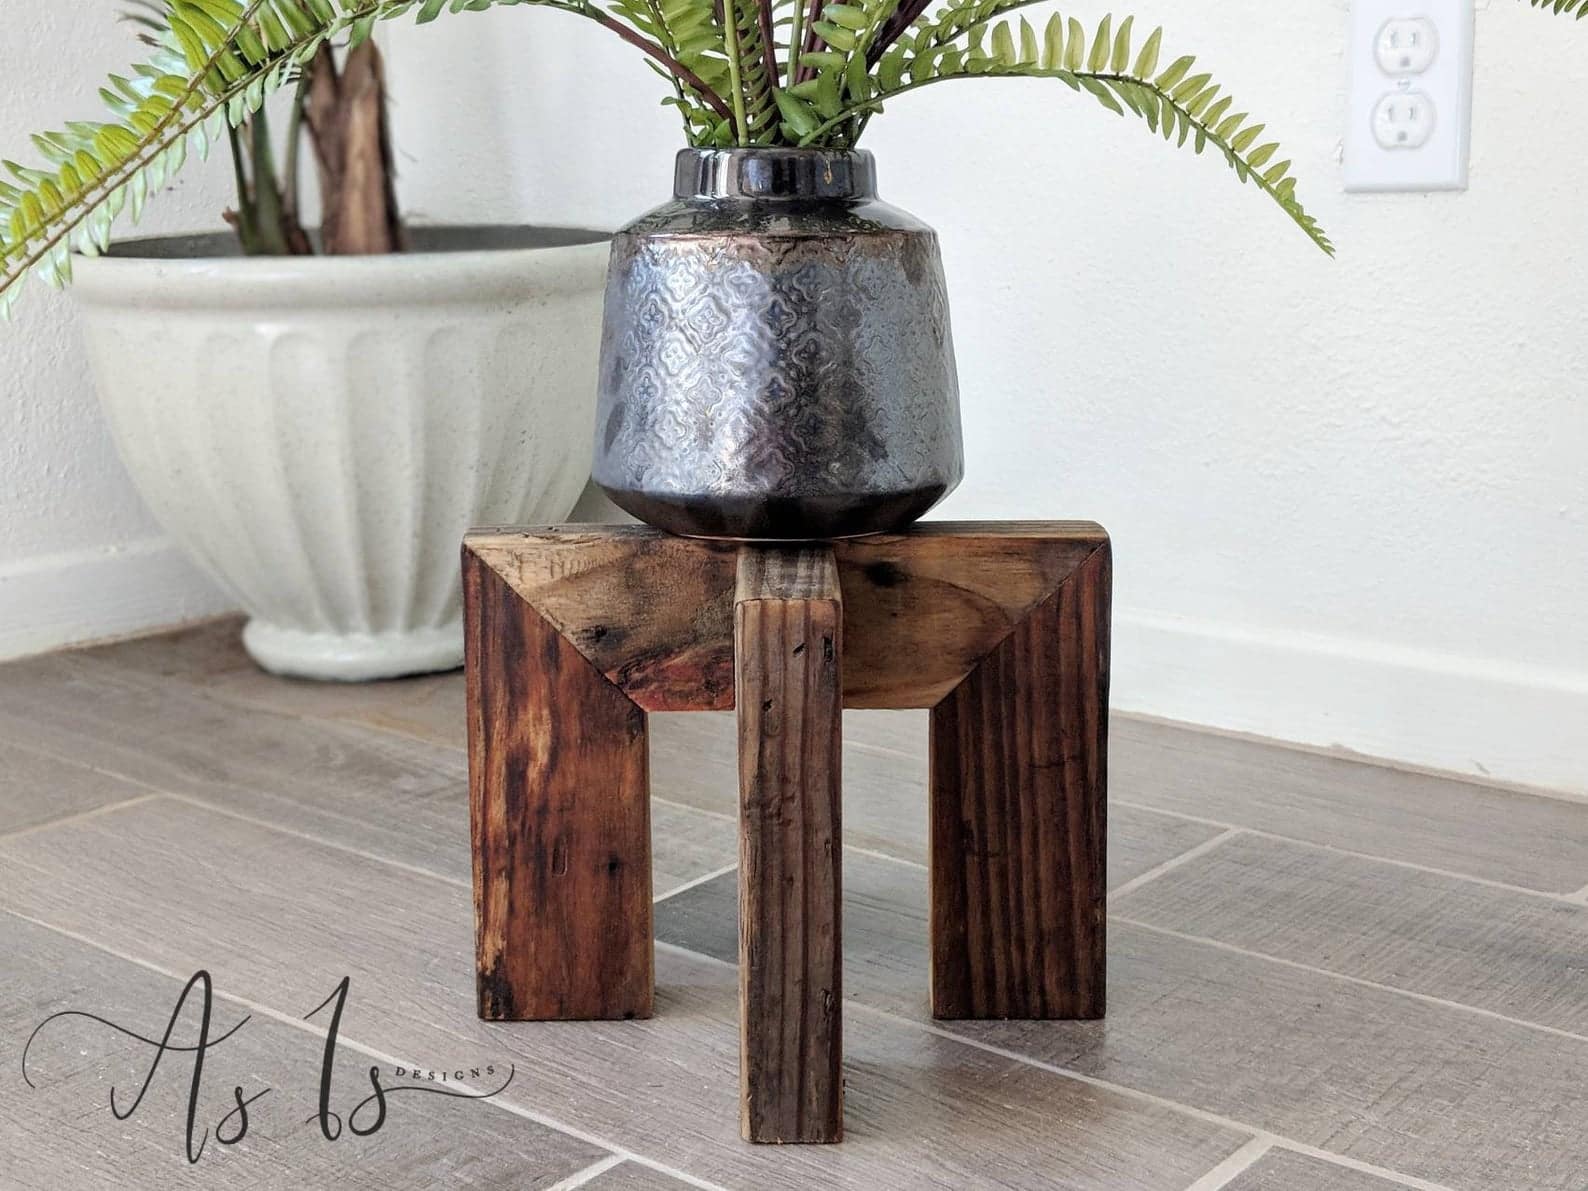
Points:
(1440, 163)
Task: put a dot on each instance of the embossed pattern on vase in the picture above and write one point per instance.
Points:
(777, 369)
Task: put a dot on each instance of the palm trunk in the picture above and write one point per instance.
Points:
(345, 114)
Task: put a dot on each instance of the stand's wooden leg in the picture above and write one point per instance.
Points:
(788, 623)
(559, 800)
(1018, 816)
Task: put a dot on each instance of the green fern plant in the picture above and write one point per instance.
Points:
(807, 73)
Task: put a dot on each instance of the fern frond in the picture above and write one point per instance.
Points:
(1577, 8)
(964, 41)
(757, 70)
(687, 31)
(215, 64)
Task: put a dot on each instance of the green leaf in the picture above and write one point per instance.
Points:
(1102, 93)
(1102, 44)
(800, 115)
(1177, 71)
(836, 36)
(1028, 42)
(1003, 45)
(848, 17)
(1053, 43)
(1075, 47)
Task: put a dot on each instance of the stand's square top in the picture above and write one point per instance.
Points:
(654, 613)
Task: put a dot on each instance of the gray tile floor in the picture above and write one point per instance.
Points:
(1324, 975)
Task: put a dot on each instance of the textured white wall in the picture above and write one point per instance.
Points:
(1348, 498)
(79, 556)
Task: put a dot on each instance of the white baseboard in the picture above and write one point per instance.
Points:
(1473, 716)
(66, 599)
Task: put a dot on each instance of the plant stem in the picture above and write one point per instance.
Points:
(730, 28)
(811, 38)
(893, 28)
(245, 219)
(272, 240)
(695, 83)
(290, 191)
(768, 46)
(794, 36)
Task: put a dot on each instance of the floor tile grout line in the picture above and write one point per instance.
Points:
(1292, 747)
(155, 793)
(1112, 917)
(1578, 898)
(1189, 727)
(298, 1023)
(581, 1178)
(1014, 1056)
(1241, 1160)
(1212, 1118)
(1260, 833)
(699, 810)
(196, 800)
(1361, 981)
(887, 857)
(229, 812)
(1176, 861)
(695, 882)
(81, 816)
(418, 870)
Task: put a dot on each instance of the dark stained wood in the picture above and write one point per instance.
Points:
(923, 608)
(654, 613)
(1018, 816)
(1002, 629)
(559, 804)
(788, 644)
(651, 612)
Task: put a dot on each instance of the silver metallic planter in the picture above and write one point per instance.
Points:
(776, 359)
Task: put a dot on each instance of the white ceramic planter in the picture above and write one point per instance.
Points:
(319, 432)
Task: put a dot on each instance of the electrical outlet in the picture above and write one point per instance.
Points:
(1406, 46)
(1403, 120)
(1410, 95)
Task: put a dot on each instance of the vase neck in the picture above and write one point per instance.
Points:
(773, 174)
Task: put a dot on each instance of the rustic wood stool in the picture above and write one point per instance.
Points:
(574, 633)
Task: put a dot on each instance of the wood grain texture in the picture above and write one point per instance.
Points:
(631, 1176)
(1519, 955)
(210, 657)
(654, 613)
(560, 813)
(36, 788)
(389, 794)
(693, 761)
(1431, 1090)
(1286, 1170)
(788, 648)
(923, 608)
(281, 919)
(1019, 816)
(1443, 822)
(60, 1133)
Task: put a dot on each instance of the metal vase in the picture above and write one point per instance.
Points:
(776, 361)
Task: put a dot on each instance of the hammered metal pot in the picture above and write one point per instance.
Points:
(776, 361)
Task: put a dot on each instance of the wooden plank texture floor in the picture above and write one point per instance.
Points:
(1324, 975)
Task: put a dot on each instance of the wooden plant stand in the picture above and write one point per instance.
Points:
(575, 633)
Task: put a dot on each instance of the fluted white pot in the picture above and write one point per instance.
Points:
(319, 431)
